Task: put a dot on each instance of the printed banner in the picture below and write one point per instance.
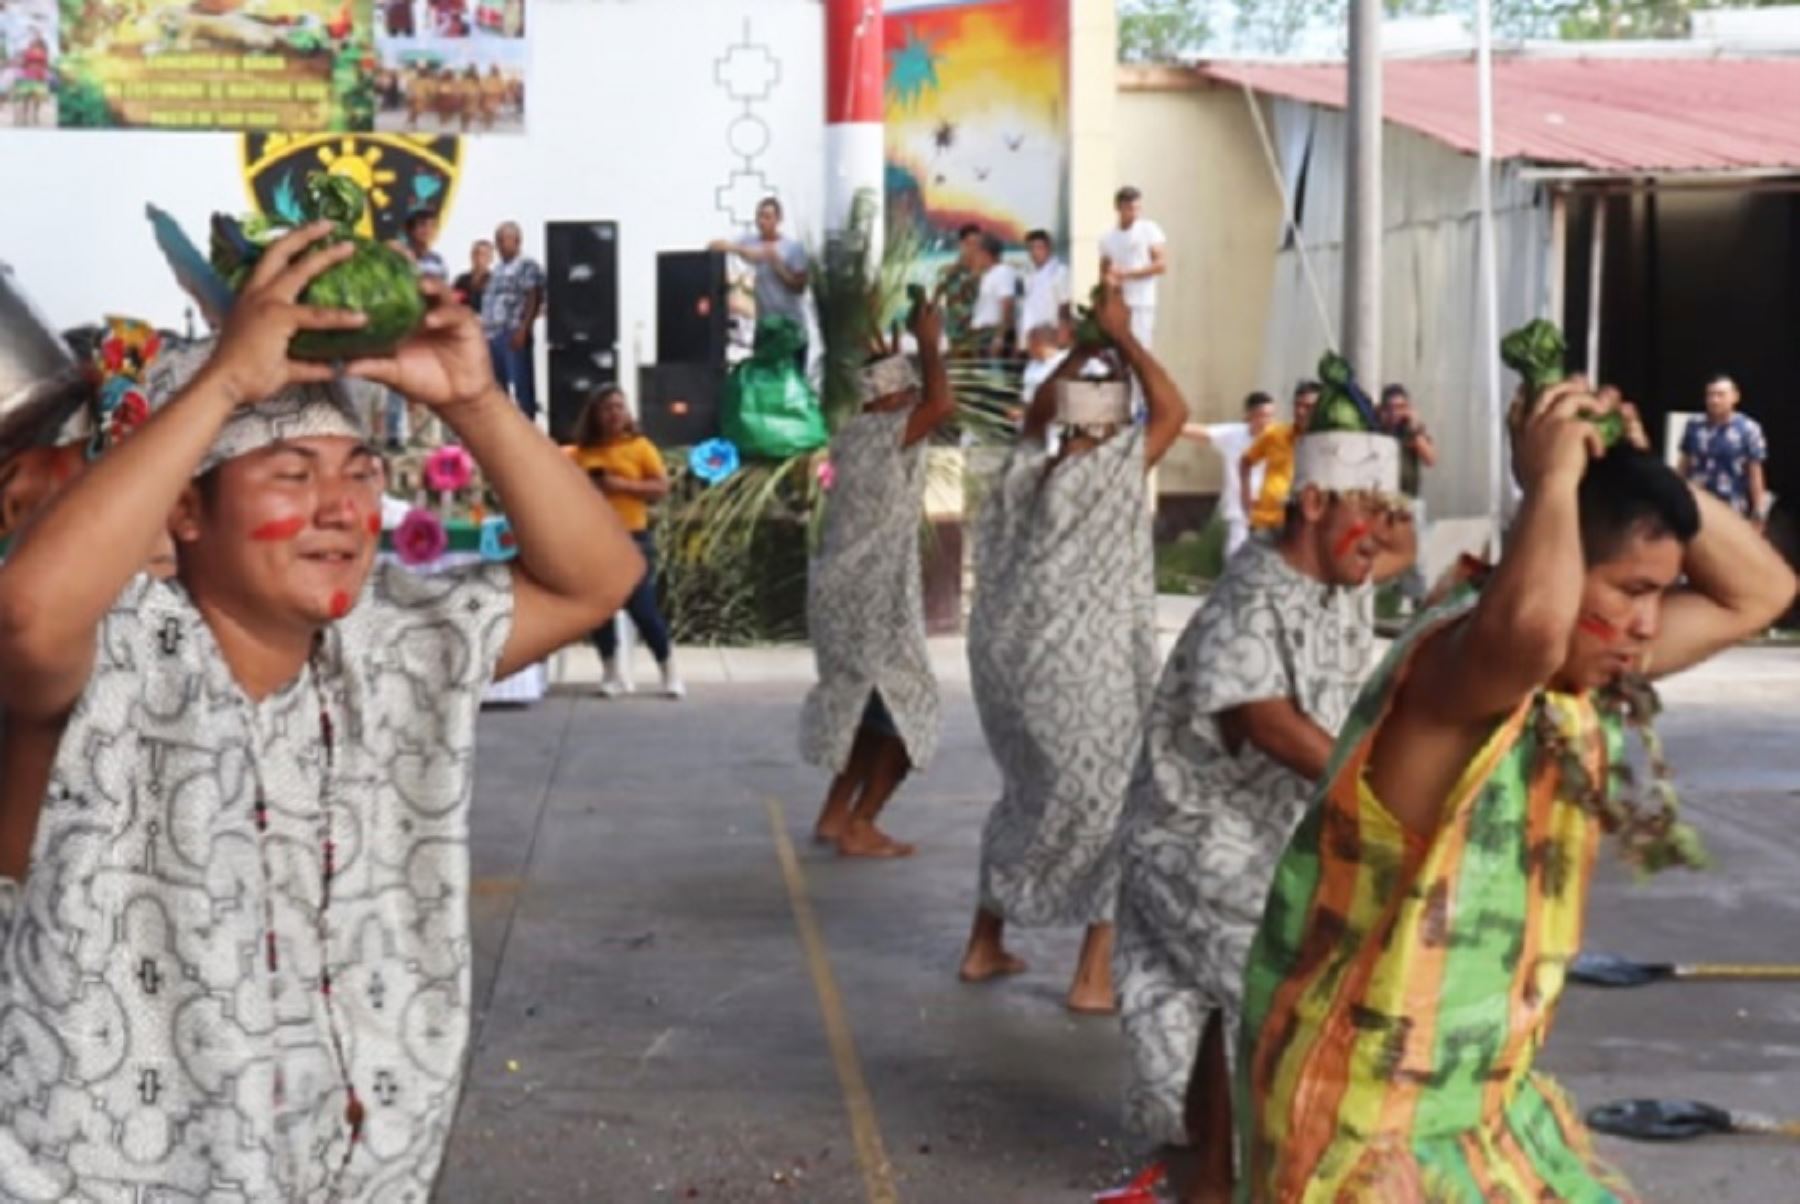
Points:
(293, 66)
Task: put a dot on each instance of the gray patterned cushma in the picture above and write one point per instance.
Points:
(1062, 655)
(865, 613)
(1204, 827)
(179, 1010)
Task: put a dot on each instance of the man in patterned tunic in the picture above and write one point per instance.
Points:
(238, 966)
(1419, 927)
(873, 717)
(1062, 651)
(1244, 717)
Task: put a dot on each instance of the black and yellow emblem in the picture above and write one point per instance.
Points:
(398, 172)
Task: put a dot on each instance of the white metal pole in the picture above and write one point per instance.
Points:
(1490, 271)
(1596, 282)
(1362, 209)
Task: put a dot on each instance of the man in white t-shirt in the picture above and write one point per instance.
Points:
(1132, 255)
(996, 301)
(1046, 299)
(1231, 440)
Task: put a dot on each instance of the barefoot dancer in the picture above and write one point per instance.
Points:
(1249, 703)
(239, 963)
(1062, 647)
(873, 717)
(1421, 922)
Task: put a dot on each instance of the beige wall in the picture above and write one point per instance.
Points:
(1093, 112)
(1193, 150)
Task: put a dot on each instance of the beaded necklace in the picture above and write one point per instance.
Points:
(354, 1112)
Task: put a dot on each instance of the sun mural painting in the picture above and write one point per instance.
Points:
(400, 173)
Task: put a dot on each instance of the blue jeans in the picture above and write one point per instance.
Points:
(516, 371)
(642, 608)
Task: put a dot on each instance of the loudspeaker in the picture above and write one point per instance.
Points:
(678, 404)
(583, 283)
(575, 372)
(693, 315)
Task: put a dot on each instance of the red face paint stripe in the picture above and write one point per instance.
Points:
(1355, 535)
(1598, 628)
(279, 529)
(340, 604)
(374, 524)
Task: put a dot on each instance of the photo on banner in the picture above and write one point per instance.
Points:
(28, 63)
(290, 65)
(977, 120)
(450, 66)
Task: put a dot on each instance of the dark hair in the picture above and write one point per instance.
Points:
(994, 246)
(1127, 193)
(1392, 391)
(1721, 378)
(1042, 236)
(1257, 400)
(770, 202)
(968, 231)
(1307, 386)
(590, 430)
(419, 216)
(1629, 491)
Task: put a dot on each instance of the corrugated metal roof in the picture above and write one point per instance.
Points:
(1607, 114)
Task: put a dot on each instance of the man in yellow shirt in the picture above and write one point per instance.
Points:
(1274, 449)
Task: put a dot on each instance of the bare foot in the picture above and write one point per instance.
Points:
(1091, 999)
(830, 831)
(985, 965)
(866, 840)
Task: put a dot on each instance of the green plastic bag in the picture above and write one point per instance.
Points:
(770, 411)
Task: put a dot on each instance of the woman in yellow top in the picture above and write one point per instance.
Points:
(628, 469)
(1274, 449)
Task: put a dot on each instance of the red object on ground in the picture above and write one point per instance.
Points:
(1141, 1190)
(1603, 113)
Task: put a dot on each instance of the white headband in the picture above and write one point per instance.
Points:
(1093, 402)
(297, 412)
(1348, 462)
(886, 377)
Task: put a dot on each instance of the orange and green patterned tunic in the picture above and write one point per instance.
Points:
(1400, 986)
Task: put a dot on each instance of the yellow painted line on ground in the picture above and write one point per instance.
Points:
(871, 1155)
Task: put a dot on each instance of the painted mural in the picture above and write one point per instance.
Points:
(977, 119)
(399, 173)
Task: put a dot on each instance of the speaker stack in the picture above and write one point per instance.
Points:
(583, 316)
(678, 396)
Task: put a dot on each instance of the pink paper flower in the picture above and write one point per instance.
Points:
(827, 475)
(448, 469)
(421, 537)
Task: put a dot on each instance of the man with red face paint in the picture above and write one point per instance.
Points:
(1420, 924)
(242, 943)
(1245, 714)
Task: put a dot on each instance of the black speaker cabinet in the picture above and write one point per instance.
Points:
(693, 316)
(678, 404)
(583, 283)
(575, 373)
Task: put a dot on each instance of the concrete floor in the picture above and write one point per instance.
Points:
(648, 1026)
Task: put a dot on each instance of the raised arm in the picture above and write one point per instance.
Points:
(576, 563)
(938, 402)
(69, 566)
(1518, 634)
(1168, 411)
(1737, 585)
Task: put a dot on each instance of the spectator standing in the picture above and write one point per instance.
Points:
(780, 267)
(421, 233)
(1725, 452)
(996, 299)
(1274, 448)
(1132, 255)
(1417, 450)
(958, 285)
(510, 306)
(1231, 440)
(473, 283)
(1047, 296)
(627, 468)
